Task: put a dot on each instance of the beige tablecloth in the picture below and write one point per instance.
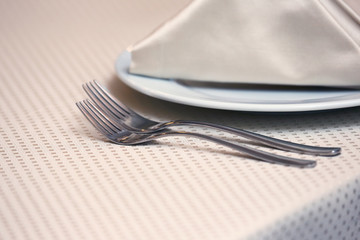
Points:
(60, 179)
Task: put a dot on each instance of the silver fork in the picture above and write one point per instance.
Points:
(119, 135)
(135, 122)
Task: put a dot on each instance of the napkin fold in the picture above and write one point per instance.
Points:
(302, 42)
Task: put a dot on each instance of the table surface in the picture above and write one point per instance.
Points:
(60, 179)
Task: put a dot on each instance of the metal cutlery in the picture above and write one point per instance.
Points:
(132, 121)
(115, 132)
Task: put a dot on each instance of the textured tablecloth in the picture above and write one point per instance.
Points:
(60, 179)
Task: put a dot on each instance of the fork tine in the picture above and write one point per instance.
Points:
(88, 114)
(99, 120)
(105, 101)
(104, 93)
(102, 101)
(105, 121)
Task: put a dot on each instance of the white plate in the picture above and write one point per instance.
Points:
(246, 99)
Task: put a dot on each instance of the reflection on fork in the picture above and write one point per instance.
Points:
(132, 121)
(116, 133)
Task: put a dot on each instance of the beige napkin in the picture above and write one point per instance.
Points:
(291, 42)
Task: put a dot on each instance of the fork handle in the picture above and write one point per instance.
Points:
(255, 153)
(268, 141)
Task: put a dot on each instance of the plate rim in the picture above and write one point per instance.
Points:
(194, 99)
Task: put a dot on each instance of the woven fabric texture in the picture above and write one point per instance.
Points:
(60, 179)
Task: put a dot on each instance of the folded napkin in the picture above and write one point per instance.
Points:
(291, 42)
